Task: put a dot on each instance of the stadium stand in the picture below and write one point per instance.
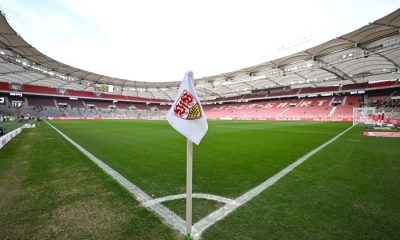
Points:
(320, 89)
(354, 86)
(310, 107)
(98, 104)
(383, 84)
(277, 93)
(70, 103)
(75, 93)
(289, 104)
(41, 101)
(39, 89)
(345, 110)
(123, 105)
(320, 107)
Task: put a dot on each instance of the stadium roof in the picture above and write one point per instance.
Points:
(371, 53)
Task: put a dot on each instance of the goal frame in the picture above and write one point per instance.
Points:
(364, 115)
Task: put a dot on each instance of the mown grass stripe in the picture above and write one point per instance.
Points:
(221, 213)
(167, 215)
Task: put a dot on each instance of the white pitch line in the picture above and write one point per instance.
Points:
(195, 195)
(219, 214)
(169, 217)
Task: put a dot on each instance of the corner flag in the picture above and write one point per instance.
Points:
(187, 117)
(186, 114)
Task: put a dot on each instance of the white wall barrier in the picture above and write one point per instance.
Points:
(6, 138)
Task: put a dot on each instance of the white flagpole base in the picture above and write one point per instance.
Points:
(189, 160)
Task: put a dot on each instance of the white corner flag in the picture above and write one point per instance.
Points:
(187, 117)
(186, 114)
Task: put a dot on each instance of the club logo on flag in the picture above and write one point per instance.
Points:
(187, 107)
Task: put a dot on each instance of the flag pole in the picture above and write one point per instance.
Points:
(189, 159)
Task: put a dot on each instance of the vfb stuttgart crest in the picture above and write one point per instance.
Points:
(187, 107)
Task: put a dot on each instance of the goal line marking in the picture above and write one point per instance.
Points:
(222, 212)
(168, 216)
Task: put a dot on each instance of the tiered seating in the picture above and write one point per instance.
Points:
(385, 100)
(354, 86)
(71, 103)
(255, 95)
(346, 109)
(343, 111)
(285, 92)
(319, 107)
(141, 106)
(99, 104)
(382, 84)
(273, 108)
(80, 93)
(290, 107)
(163, 107)
(230, 109)
(353, 100)
(112, 96)
(374, 99)
(40, 101)
(338, 99)
(145, 99)
(319, 89)
(230, 98)
(123, 105)
(4, 86)
(253, 109)
(39, 89)
(314, 107)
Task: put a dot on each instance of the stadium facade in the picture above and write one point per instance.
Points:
(360, 68)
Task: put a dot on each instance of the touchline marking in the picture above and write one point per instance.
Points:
(195, 195)
(222, 212)
(169, 217)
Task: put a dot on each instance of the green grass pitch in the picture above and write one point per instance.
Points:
(348, 190)
(10, 126)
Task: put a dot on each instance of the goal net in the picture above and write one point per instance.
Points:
(363, 115)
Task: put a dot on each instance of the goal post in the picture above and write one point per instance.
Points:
(364, 115)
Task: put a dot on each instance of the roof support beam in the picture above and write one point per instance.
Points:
(14, 72)
(377, 53)
(273, 81)
(169, 97)
(335, 71)
(384, 24)
(77, 80)
(248, 84)
(39, 79)
(210, 92)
